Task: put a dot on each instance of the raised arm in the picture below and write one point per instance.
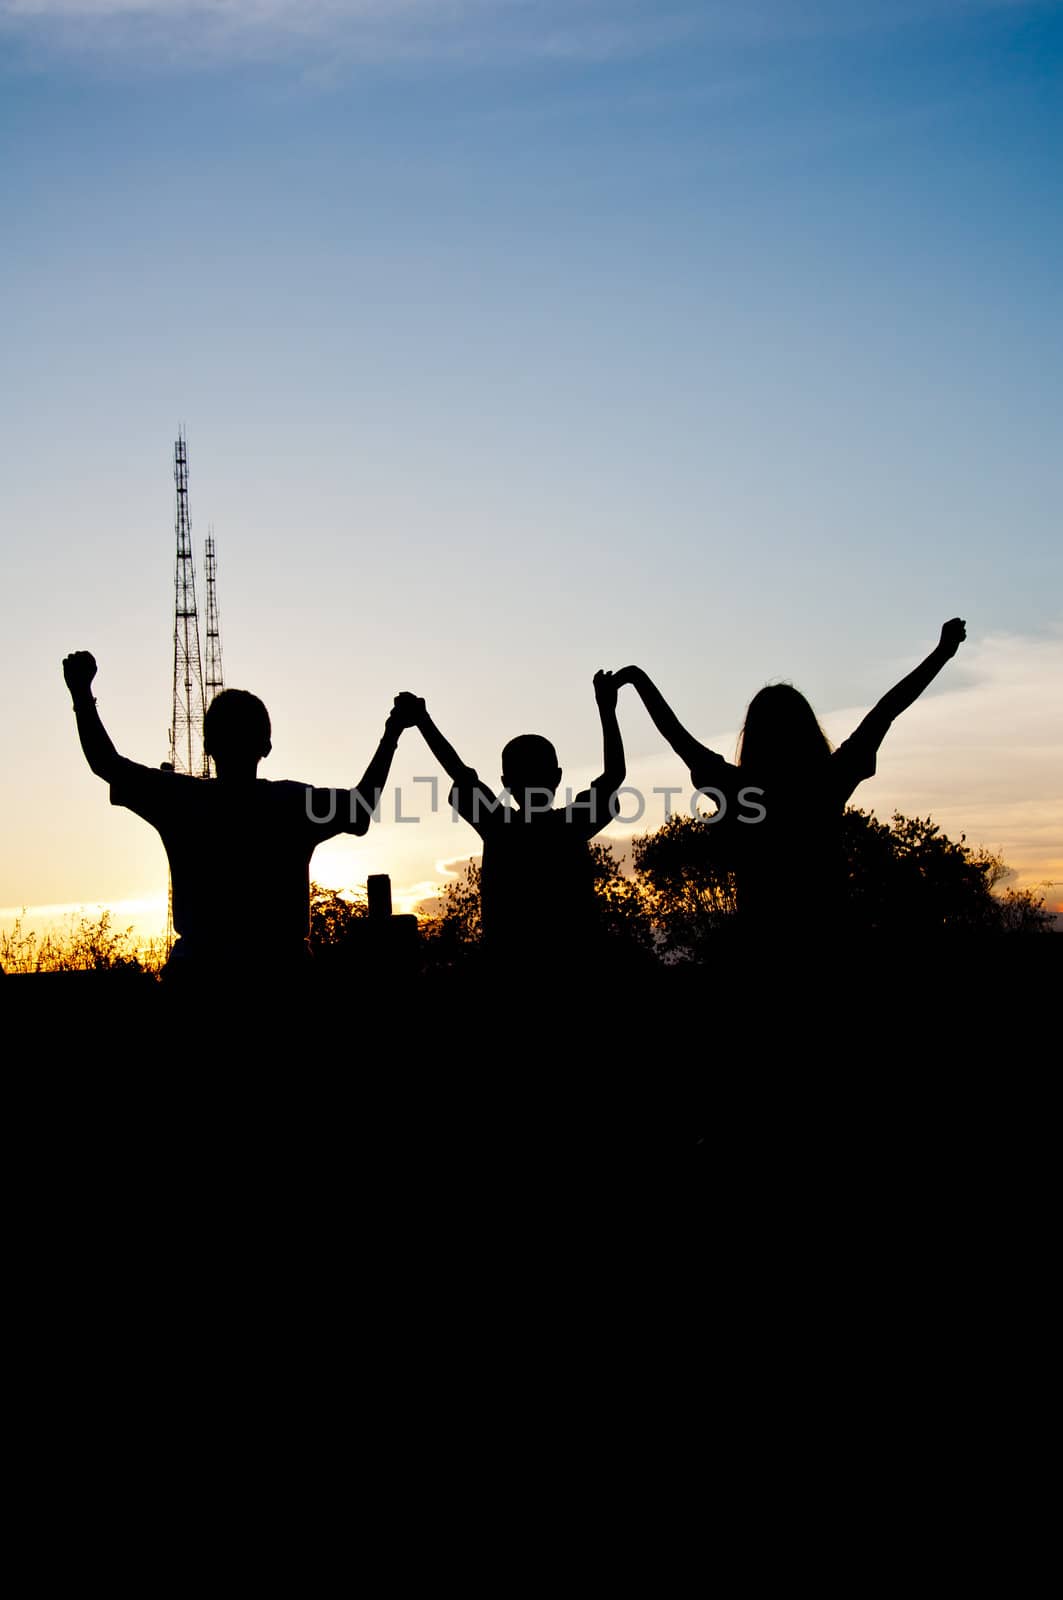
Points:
(614, 769)
(905, 693)
(470, 796)
(686, 747)
(441, 748)
(403, 714)
(79, 669)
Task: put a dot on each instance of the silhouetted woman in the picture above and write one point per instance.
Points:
(781, 806)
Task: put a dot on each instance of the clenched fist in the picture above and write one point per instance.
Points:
(79, 670)
(605, 688)
(953, 633)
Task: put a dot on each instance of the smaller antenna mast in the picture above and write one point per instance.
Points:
(213, 682)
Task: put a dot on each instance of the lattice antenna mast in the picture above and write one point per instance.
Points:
(186, 729)
(213, 682)
(212, 679)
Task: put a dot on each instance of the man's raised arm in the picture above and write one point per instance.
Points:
(366, 797)
(79, 669)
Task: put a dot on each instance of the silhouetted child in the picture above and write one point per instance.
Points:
(780, 818)
(537, 902)
(239, 846)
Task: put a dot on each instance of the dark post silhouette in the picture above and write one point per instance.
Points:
(378, 895)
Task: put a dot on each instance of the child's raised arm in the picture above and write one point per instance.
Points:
(686, 747)
(876, 724)
(441, 748)
(470, 796)
(614, 768)
(79, 669)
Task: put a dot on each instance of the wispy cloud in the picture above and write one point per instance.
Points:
(311, 32)
(314, 32)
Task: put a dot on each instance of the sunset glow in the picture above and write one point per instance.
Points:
(514, 342)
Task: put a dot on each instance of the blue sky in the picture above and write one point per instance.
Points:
(514, 339)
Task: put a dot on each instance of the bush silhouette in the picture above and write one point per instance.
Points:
(906, 877)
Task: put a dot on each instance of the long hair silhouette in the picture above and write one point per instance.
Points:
(781, 737)
(803, 783)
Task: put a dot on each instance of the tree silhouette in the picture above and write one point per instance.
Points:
(1023, 911)
(686, 885)
(624, 905)
(334, 914)
(453, 933)
(906, 875)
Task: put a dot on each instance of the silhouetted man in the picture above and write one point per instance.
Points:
(239, 846)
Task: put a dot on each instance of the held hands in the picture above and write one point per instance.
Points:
(953, 634)
(79, 669)
(405, 713)
(605, 690)
(627, 675)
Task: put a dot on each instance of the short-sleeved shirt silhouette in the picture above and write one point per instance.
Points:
(537, 874)
(792, 861)
(239, 857)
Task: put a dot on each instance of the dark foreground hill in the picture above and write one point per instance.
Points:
(637, 1059)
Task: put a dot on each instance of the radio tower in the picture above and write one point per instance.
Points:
(213, 683)
(186, 729)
